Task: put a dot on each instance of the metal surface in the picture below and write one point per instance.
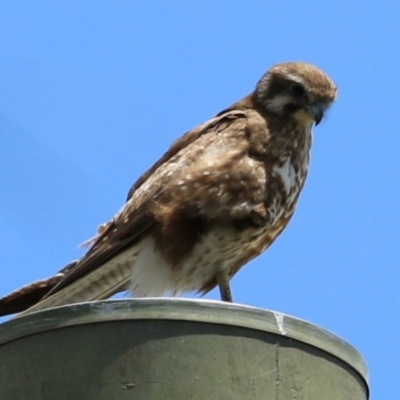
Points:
(174, 349)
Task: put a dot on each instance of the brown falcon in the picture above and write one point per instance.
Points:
(216, 199)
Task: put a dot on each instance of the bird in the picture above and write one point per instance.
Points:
(219, 197)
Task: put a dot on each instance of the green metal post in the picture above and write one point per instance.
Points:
(164, 349)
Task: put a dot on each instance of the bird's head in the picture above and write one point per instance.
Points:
(296, 89)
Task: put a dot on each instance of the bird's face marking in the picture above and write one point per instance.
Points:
(296, 89)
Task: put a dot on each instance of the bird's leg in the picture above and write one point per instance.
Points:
(223, 284)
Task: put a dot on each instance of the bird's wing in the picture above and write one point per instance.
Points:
(136, 218)
(221, 141)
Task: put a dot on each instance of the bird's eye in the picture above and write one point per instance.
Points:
(298, 90)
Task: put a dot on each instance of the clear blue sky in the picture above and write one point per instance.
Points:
(93, 92)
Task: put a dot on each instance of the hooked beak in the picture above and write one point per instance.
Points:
(316, 111)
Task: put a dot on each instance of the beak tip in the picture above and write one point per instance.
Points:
(317, 112)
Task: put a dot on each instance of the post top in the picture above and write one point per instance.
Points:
(206, 311)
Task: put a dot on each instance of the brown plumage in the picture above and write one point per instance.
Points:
(216, 199)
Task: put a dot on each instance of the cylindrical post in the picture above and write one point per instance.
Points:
(164, 349)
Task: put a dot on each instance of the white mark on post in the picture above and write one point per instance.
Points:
(280, 323)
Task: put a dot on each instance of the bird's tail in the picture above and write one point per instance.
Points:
(97, 285)
(21, 299)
